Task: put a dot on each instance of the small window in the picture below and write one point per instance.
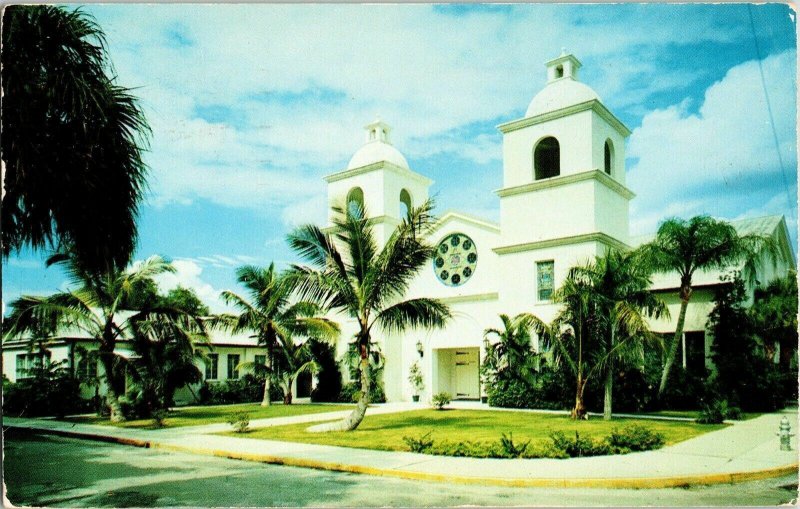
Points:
(405, 203)
(87, 368)
(559, 71)
(22, 366)
(212, 366)
(547, 159)
(544, 280)
(608, 157)
(233, 366)
(261, 360)
(355, 202)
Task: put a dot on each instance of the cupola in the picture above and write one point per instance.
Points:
(377, 148)
(563, 88)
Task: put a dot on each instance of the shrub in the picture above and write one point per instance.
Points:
(247, 389)
(634, 437)
(352, 391)
(415, 378)
(579, 447)
(329, 377)
(510, 449)
(50, 390)
(240, 422)
(159, 417)
(717, 412)
(441, 399)
(552, 389)
(421, 444)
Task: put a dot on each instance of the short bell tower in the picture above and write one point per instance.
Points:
(379, 180)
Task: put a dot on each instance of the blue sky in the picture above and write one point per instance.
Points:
(251, 105)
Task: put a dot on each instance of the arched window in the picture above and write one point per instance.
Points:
(608, 156)
(355, 201)
(547, 159)
(405, 203)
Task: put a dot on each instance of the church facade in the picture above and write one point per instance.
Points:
(563, 202)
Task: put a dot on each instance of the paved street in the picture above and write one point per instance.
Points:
(52, 471)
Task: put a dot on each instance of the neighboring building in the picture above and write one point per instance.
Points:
(223, 355)
(563, 202)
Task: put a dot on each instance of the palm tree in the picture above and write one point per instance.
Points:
(72, 140)
(351, 275)
(298, 360)
(621, 292)
(100, 307)
(270, 314)
(701, 243)
(572, 336)
(513, 350)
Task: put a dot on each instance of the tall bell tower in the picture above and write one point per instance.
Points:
(564, 198)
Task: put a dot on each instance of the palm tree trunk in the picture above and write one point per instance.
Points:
(673, 347)
(579, 412)
(352, 421)
(265, 400)
(112, 395)
(609, 384)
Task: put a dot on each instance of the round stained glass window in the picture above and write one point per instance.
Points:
(455, 259)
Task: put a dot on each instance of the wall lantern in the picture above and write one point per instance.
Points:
(420, 349)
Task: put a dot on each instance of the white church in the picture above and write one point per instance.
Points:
(563, 202)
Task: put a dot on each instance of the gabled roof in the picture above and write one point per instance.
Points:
(774, 226)
(467, 218)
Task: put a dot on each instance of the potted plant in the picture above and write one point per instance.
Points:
(415, 378)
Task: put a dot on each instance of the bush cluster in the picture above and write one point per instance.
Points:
(247, 389)
(717, 412)
(50, 391)
(441, 399)
(240, 422)
(620, 441)
(351, 391)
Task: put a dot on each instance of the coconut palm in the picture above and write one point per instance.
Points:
(349, 274)
(268, 312)
(623, 301)
(72, 139)
(700, 243)
(100, 307)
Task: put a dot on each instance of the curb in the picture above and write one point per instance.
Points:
(608, 483)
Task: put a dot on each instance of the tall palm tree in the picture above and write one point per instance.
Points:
(351, 275)
(72, 139)
(700, 243)
(621, 292)
(268, 312)
(101, 307)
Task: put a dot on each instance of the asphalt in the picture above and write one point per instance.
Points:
(745, 451)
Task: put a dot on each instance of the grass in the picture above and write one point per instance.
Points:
(197, 416)
(386, 432)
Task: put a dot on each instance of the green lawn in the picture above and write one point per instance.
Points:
(218, 413)
(386, 432)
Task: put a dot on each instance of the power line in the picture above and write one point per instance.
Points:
(769, 111)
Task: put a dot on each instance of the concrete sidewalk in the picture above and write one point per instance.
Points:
(747, 450)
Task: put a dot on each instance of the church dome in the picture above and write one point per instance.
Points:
(377, 148)
(559, 94)
(563, 88)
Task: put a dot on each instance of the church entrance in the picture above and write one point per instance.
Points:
(458, 372)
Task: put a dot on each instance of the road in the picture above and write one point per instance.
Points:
(60, 472)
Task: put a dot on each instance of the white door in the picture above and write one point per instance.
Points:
(466, 374)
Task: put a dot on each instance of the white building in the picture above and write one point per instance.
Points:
(563, 202)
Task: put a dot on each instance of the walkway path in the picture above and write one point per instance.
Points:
(744, 451)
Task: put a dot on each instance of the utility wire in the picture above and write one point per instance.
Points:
(769, 111)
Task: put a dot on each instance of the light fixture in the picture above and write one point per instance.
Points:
(420, 349)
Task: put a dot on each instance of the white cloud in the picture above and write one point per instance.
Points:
(721, 157)
(295, 103)
(188, 275)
